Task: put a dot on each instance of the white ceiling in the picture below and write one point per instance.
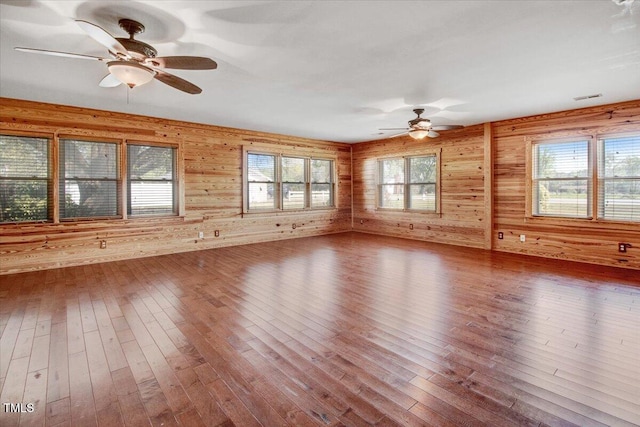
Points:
(336, 70)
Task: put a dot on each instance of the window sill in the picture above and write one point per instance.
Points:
(279, 212)
(101, 220)
(583, 222)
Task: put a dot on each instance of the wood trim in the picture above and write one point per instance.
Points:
(488, 185)
(54, 158)
(438, 153)
(123, 167)
(528, 209)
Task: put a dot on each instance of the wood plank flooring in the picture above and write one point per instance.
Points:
(347, 329)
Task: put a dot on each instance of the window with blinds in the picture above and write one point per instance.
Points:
(24, 179)
(151, 180)
(422, 183)
(408, 183)
(619, 178)
(276, 182)
(88, 179)
(261, 178)
(562, 179)
(391, 183)
(321, 183)
(294, 183)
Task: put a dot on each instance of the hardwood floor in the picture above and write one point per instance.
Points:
(347, 329)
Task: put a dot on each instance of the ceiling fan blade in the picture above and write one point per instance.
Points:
(183, 62)
(102, 37)
(63, 54)
(399, 134)
(394, 129)
(446, 127)
(433, 134)
(109, 81)
(177, 82)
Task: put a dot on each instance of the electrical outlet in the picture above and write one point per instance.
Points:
(410, 226)
(103, 244)
(216, 233)
(200, 234)
(500, 235)
(622, 247)
(523, 238)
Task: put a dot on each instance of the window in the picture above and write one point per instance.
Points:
(280, 182)
(619, 178)
(562, 179)
(89, 173)
(261, 178)
(88, 177)
(409, 183)
(24, 179)
(321, 183)
(151, 183)
(564, 184)
(294, 183)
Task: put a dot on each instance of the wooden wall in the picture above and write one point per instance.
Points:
(483, 176)
(585, 241)
(464, 216)
(484, 185)
(212, 158)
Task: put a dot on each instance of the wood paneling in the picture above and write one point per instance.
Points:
(483, 191)
(578, 240)
(212, 186)
(464, 211)
(346, 329)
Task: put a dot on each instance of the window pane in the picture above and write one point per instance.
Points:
(24, 178)
(620, 157)
(293, 196)
(261, 195)
(88, 198)
(561, 160)
(292, 169)
(422, 169)
(561, 179)
(88, 179)
(619, 170)
(261, 174)
(152, 185)
(392, 171)
(392, 196)
(562, 198)
(321, 195)
(84, 160)
(321, 171)
(261, 168)
(422, 197)
(620, 199)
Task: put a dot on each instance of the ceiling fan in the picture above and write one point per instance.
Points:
(421, 127)
(133, 62)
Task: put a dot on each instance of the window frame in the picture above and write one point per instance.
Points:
(407, 184)
(278, 182)
(594, 188)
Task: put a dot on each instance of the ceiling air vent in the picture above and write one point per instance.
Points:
(582, 98)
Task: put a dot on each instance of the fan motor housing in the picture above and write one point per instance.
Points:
(138, 49)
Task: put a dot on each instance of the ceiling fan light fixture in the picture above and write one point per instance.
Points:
(418, 133)
(131, 73)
